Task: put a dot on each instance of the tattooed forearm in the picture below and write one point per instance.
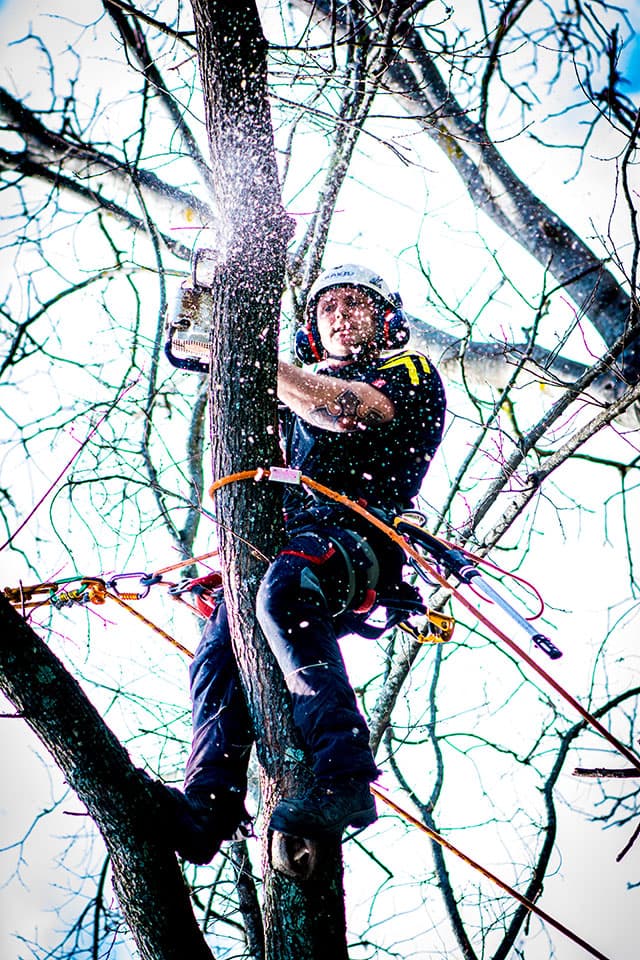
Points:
(331, 403)
(347, 412)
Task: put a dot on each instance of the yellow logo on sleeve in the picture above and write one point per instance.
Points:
(411, 361)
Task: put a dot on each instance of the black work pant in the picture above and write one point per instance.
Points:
(299, 603)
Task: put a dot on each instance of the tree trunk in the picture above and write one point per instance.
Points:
(300, 918)
(151, 891)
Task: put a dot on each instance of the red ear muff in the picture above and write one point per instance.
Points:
(386, 326)
(394, 330)
(307, 346)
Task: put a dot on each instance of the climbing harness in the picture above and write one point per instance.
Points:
(405, 603)
(362, 596)
(290, 475)
(439, 839)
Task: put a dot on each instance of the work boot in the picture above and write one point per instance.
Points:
(202, 820)
(326, 810)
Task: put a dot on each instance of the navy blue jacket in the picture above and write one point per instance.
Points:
(384, 464)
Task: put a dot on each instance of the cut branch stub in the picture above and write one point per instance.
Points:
(295, 857)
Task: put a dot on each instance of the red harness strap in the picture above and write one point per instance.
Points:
(310, 557)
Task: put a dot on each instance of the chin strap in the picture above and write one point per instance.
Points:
(367, 350)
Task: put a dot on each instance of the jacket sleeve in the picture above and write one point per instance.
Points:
(413, 384)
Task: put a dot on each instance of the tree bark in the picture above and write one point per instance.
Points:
(118, 797)
(300, 918)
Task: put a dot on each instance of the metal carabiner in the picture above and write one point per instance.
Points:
(146, 581)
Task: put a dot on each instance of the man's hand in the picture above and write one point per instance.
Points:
(341, 406)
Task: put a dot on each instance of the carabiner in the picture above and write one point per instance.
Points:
(146, 581)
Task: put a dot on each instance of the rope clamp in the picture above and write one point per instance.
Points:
(179, 588)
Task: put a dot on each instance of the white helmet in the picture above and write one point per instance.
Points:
(352, 275)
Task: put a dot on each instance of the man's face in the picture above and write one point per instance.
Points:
(346, 318)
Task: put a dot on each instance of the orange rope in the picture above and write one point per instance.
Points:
(410, 550)
(185, 563)
(97, 593)
(148, 623)
(438, 838)
(189, 606)
(258, 474)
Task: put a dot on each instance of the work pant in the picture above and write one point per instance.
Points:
(303, 607)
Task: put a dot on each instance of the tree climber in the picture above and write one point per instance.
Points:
(366, 424)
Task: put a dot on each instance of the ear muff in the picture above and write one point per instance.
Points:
(307, 346)
(394, 328)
